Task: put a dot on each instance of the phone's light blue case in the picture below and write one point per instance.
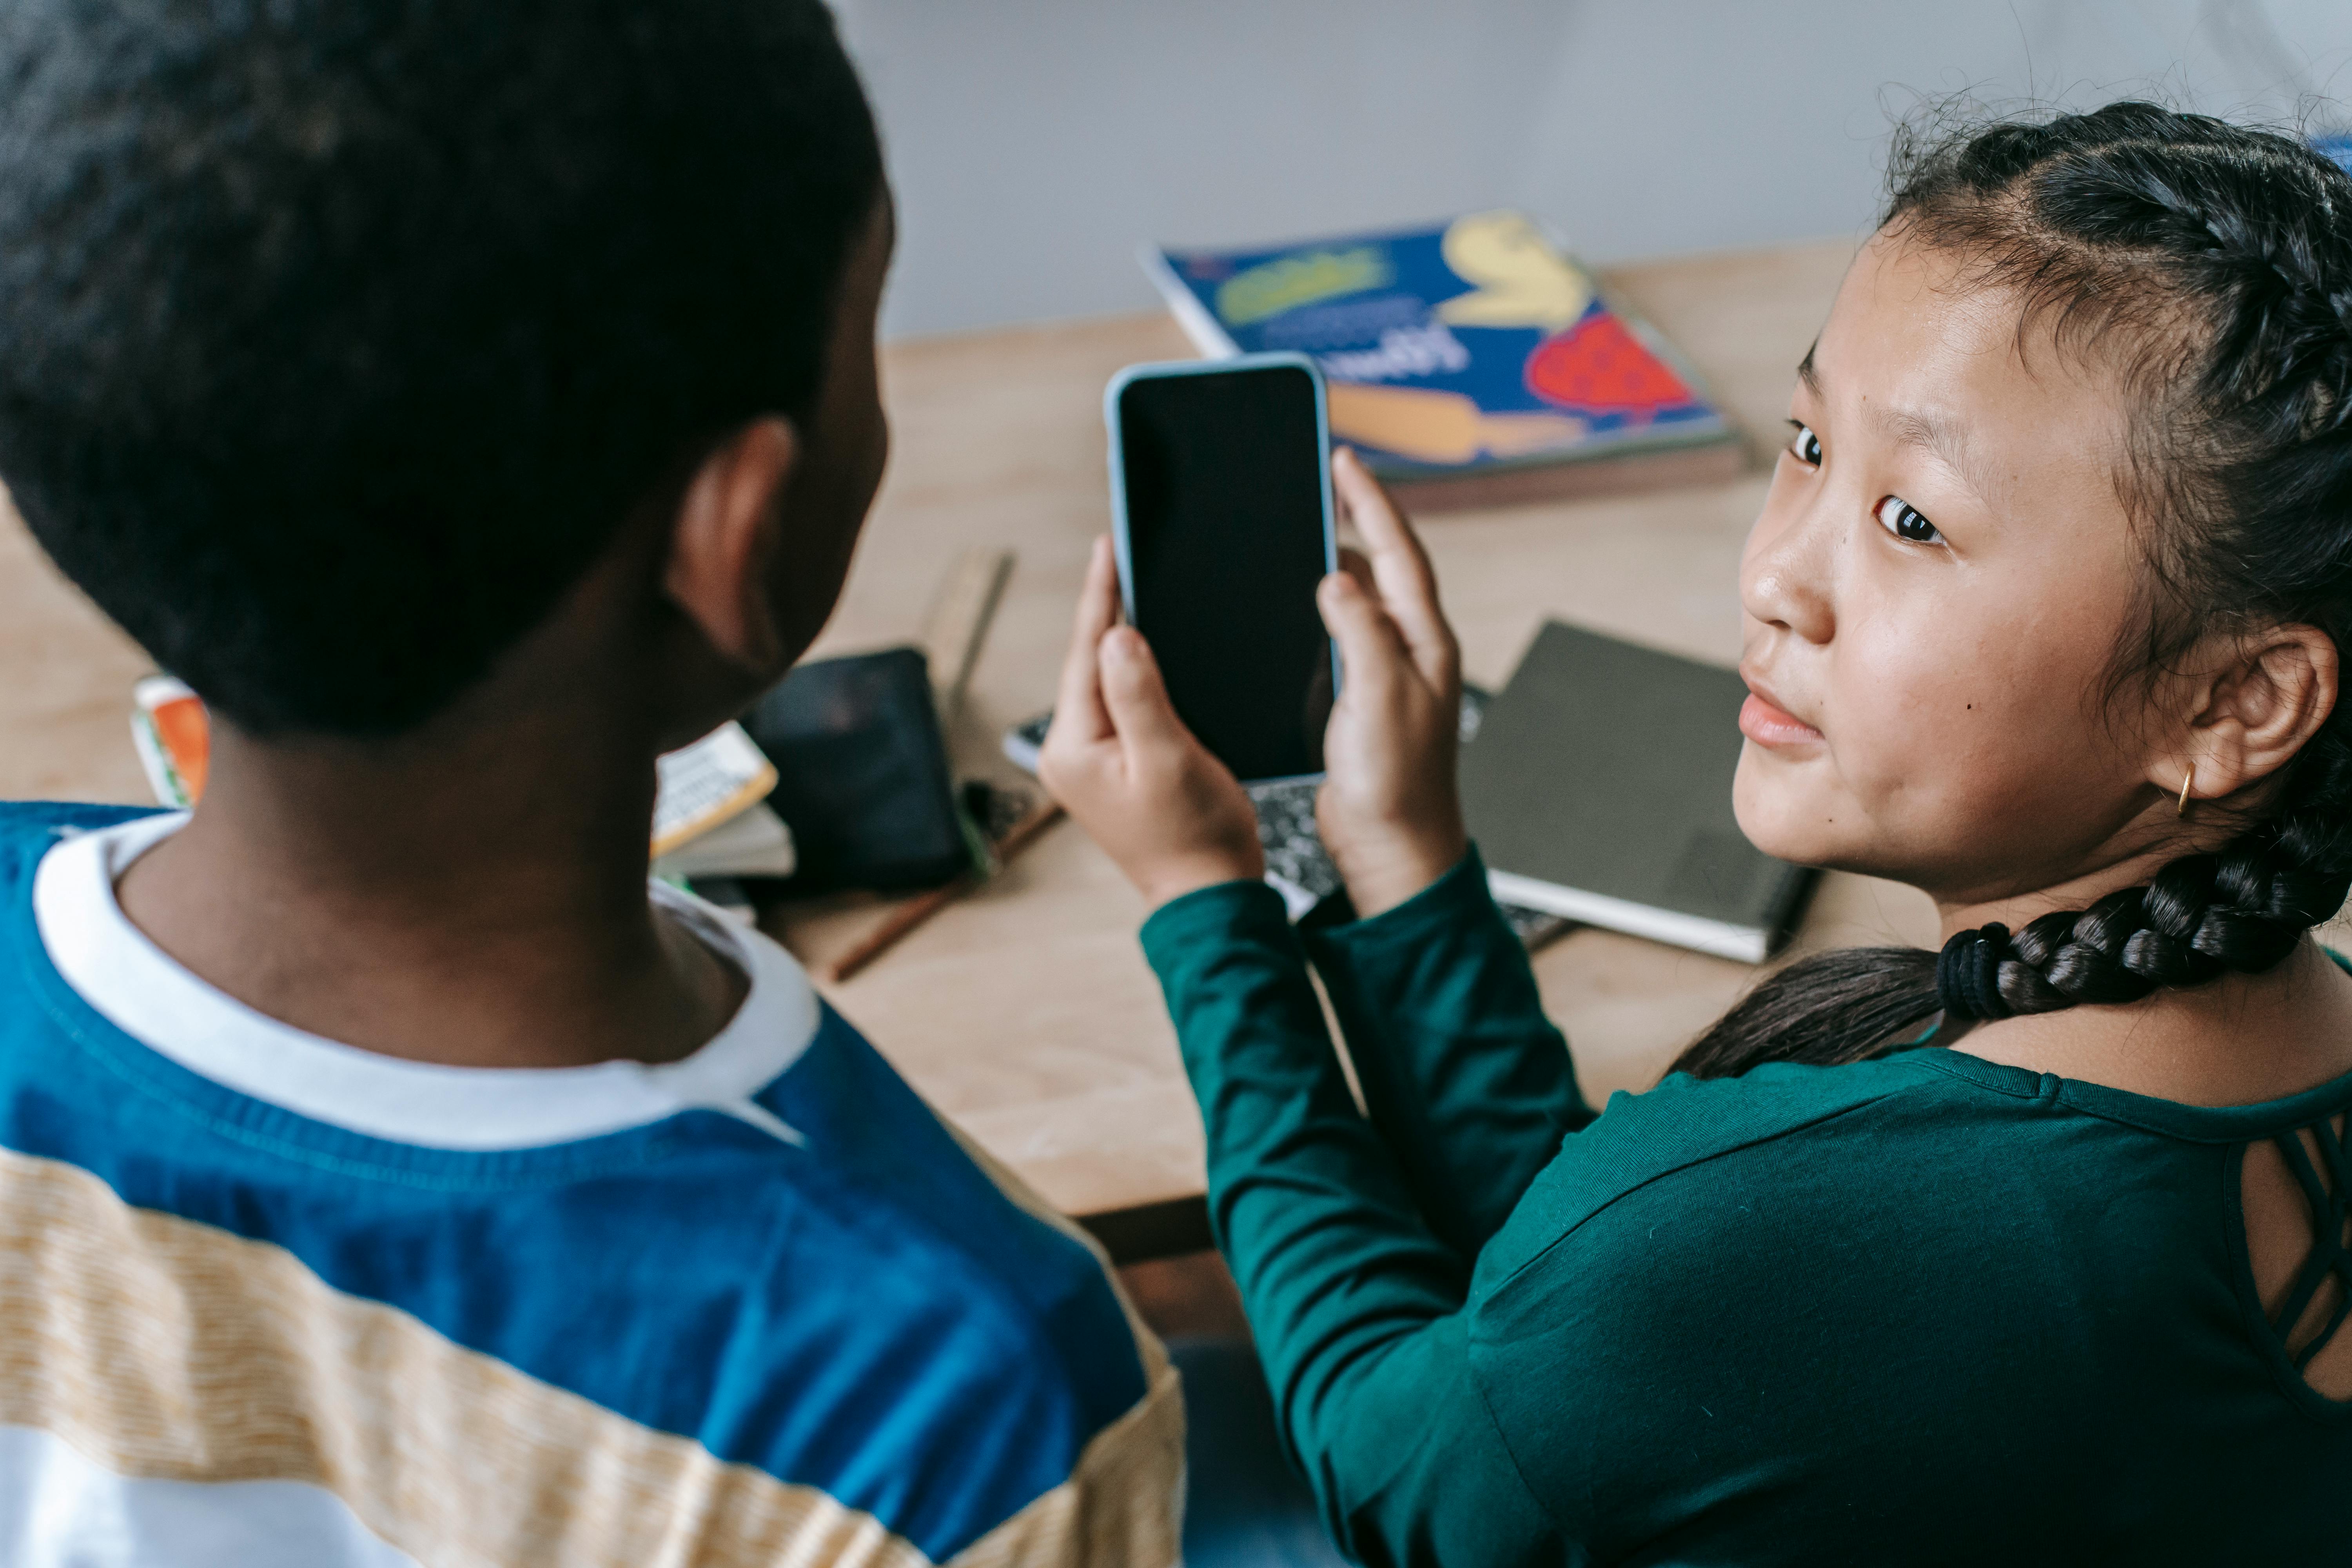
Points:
(1226, 366)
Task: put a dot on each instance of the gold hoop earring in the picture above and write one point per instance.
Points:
(2180, 806)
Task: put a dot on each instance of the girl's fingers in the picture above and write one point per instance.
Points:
(1375, 515)
(1353, 563)
(1372, 654)
(1079, 703)
(1400, 566)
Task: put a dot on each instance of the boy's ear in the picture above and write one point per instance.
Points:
(2258, 711)
(723, 543)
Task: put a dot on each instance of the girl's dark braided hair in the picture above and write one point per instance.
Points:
(2210, 267)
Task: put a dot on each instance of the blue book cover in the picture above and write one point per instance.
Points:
(1453, 349)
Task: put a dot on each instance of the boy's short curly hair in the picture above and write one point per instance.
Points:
(337, 337)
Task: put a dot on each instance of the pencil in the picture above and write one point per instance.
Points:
(923, 906)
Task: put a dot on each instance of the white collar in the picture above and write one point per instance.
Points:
(136, 987)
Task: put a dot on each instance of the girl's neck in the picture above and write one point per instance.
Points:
(2237, 1040)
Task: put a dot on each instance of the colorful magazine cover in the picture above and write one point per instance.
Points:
(1471, 345)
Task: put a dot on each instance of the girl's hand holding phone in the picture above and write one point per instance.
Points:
(1389, 811)
(1118, 759)
(1173, 818)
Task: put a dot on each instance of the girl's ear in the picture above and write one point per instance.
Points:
(2254, 709)
(724, 540)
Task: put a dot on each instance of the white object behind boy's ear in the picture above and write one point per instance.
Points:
(708, 783)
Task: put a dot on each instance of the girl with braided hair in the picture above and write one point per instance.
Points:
(2035, 1248)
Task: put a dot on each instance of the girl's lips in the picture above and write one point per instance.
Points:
(1768, 726)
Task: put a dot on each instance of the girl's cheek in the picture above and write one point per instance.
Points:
(1887, 709)
(1981, 738)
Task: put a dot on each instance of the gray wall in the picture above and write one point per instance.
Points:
(1035, 143)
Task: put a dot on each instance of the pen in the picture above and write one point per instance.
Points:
(923, 906)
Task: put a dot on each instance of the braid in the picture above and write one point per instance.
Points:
(2213, 264)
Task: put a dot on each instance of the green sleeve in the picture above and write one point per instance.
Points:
(1469, 1084)
(1355, 1304)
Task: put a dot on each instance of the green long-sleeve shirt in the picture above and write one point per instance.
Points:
(1921, 1308)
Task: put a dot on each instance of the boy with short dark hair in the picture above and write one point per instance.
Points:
(472, 404)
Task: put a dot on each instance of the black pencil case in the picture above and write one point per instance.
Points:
(862, 774)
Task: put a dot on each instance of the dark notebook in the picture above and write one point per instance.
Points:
(1600, 790)
(861, 774)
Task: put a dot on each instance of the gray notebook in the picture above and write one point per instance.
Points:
(1600, 790)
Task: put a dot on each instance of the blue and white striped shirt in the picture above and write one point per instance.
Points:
(267, 1300)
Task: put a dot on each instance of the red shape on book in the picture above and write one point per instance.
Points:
(1598, 367)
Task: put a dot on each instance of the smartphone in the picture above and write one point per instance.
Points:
(1221, 508)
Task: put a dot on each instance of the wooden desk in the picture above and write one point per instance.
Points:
(1025, 1013)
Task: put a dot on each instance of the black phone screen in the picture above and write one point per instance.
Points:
(1226, 539)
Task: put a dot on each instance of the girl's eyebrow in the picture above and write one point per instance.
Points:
(1932, 432)
(1807, 374)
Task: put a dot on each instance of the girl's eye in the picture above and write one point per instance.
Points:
(1904, 520)
(1805, 446)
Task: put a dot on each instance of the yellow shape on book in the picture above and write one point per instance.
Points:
(1431, 427)
(1522, 281)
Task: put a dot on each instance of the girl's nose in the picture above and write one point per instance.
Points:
(1784, 580)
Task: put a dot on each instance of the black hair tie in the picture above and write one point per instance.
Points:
(1967, 973)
